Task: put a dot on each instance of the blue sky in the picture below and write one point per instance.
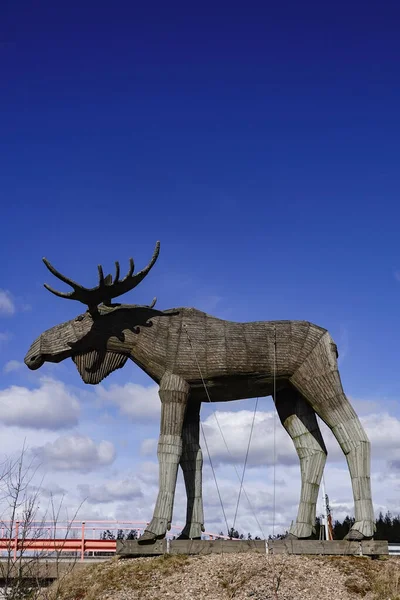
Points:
(258, 143)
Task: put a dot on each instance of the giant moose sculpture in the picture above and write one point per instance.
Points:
(184, 350)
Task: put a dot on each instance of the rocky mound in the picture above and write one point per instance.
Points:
(233, 576)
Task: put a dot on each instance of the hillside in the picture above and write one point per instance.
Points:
(233, 576)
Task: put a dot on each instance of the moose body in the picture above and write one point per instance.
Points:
(195, 357)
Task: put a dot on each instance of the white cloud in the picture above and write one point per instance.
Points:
(51, 406)
(135, 401)
(7, 306)
(12, 365)
(236, 427)
(383, 431)
(50, 490)
(5, 336)
(124, 489)
(148, 473)
(148, 447)
(76, 453)
(364, 406)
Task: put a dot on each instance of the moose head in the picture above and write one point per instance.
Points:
(99, 340)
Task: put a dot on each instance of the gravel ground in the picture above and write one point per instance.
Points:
(236, 576)
(250, 576)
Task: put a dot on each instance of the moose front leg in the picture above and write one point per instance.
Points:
(192, 464)
(174, 392)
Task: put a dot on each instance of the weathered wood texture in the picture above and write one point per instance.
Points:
(192, 467)
(216, 546)
(174, 392)
(182, 348)
(131, 548)
(225, 351)
(299, 420)
(343, 547)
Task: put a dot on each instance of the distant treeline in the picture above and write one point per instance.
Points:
(387, 528)
(121, 535)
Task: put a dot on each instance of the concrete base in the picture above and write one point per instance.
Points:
(335, 547)
(131, 548)
(216, 546)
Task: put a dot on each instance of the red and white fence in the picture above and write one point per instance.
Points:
(79, 538)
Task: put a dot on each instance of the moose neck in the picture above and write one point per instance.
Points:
(144, 333)
(150, 350)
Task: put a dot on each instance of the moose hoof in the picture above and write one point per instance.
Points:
(149, 537)
(356, 536)
(361, 530)
(192, 531)
(291, 536)
(302, 531)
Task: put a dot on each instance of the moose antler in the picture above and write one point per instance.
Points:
(107, 287)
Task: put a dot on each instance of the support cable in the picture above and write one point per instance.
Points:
(245, 463)
(214, 475)
(220, 430)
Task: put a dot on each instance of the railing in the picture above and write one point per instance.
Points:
(394, 549)
(77, 537)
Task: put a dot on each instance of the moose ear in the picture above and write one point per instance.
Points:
(95, 365)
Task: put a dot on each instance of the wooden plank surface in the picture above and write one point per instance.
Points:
(340, 547)
(216, 546)
(314, 547)
(128, 548)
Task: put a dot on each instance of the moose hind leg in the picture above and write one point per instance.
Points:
(192, 464)
(319, 381)
(174, 392)
(299, 420)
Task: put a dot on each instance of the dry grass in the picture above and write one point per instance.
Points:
(105, 579)
(233, 576)
(387, 583)
(372, 579)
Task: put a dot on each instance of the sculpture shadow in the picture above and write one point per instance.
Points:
(110, 322)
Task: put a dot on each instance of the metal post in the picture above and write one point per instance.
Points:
(83, 541)
(325, 510)
(16, 539)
